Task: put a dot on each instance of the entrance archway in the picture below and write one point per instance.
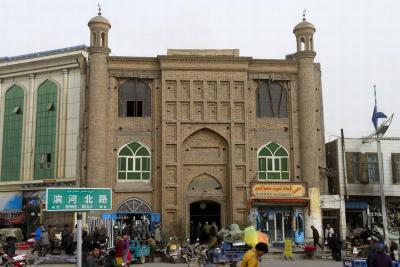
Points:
(204, 211)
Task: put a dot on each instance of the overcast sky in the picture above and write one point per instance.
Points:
(357, 42)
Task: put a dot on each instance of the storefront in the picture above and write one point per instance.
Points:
(277, 209)
(11, 209)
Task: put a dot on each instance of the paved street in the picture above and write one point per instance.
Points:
(266, 263)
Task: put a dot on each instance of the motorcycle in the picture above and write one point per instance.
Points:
(15, 261)
(187, 252)
(172, 252)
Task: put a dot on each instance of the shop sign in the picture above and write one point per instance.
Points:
(261, 190)
(78, 199)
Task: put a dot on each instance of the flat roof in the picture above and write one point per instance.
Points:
(43, 53)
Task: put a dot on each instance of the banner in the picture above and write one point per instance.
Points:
(289, 190)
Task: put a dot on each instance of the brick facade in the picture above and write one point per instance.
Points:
(203, 132)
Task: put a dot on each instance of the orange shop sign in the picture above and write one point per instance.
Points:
(261, 190)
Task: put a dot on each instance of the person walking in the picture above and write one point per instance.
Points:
(92, 259)
(86, 244)
(38, 234)
(153, 245)
(109, 260)
(44, 243)
(380, 258)
(119, 247)
(250, 258)
(198, 230)
(192, 232)
(328, 233)
(205, 232)
(315, 236)
(335, 246)
(158, 236)
(213, 229)
(125, 249)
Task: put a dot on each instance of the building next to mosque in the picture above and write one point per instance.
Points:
(41, 121)
(195, 135)
(208, 135)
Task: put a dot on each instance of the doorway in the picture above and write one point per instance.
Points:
(332, 217)
(205, 211)
(277, 224)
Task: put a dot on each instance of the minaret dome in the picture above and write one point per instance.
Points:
(304, 32)
(99, 27)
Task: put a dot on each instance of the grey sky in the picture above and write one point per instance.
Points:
(357, 42)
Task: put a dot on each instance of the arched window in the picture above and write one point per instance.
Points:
(302, 44)
(273, 162)
(134, 162)
(271, 100)
(46, 127)
(94, 39)
(12, 134)
(134, 99)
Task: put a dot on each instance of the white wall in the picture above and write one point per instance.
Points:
(388, 147)
(65, 71)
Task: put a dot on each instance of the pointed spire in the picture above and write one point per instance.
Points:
(98, 4)
(375, 93)
(304, 14)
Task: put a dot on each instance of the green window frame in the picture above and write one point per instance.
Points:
(133, 162)
(273, 162)
(46, 131)
(12, 134)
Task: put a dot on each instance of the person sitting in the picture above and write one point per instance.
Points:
(9, 246)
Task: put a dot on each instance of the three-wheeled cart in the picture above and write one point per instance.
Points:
(139, 251)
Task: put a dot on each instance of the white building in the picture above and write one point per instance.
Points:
(41, 118)
(352, 185)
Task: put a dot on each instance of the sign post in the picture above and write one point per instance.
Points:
(78, 199)
(79, 239)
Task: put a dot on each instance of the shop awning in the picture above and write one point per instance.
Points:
(356, 205)
(10, 202)
(297, 200)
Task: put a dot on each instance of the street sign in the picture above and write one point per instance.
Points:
(78, 199)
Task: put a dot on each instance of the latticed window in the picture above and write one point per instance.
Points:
(271, 100)
(134, 99)
(12, 134)
(46, 127)
(273, 162)
(372, 168)
(134, 162)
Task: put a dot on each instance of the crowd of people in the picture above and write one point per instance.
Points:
(47, 240)
(202, 232)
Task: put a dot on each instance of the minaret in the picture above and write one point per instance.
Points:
(309, 136)
(98, 97)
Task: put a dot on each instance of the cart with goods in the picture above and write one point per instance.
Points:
(351, 262)
(139, 251)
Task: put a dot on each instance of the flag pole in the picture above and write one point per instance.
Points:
(379, 136)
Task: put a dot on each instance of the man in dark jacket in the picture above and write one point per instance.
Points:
(380, 258)
(335, 245)
(92, 259)
(315, 236)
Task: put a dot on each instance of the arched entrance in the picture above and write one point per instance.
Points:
(205, 211)
(205, 159)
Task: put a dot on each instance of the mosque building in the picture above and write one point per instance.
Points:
(194, 135)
